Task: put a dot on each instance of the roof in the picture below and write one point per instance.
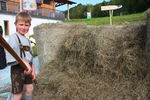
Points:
(62, 2)
(65, 1)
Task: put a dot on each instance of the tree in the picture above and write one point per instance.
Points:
(132, 6)
(78, 12)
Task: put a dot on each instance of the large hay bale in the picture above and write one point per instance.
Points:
(147, 12)
(49, 38)
(97, 63)
(148, 36)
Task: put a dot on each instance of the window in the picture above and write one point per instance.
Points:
(46, 1)
(38, 1)
(6, 28)
(3, 6)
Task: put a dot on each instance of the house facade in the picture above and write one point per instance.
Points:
(46, 13)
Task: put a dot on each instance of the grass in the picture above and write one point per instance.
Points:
(138, 18)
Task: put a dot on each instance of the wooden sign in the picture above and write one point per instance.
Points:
(111, 7)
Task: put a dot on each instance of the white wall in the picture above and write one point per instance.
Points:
(9, 18)
(35, 21)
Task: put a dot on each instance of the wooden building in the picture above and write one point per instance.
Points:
(45, 8)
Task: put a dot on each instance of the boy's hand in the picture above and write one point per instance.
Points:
(33, 76)
(33, 73)
(29, 70)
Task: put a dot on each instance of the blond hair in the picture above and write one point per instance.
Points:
(23, 16)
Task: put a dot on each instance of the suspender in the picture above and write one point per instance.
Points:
(23, 48)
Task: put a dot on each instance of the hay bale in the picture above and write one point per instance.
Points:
(148, 35)
(49, 38)
(147, 12)
(97, 63)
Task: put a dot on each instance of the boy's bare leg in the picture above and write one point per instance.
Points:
(17, 96)
(28, 92)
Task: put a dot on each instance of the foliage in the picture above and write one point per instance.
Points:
(34, 47)
(132, 6)
(78, 11)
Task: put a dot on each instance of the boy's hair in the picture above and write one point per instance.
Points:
(23, 16)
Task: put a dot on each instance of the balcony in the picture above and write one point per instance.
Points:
(13, 7)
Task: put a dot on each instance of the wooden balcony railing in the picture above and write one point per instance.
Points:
(13, 7)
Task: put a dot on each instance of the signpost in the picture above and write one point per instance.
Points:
(110, 8)
(88, 15)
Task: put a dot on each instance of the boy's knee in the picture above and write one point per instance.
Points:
(17, 96)
(29, 90)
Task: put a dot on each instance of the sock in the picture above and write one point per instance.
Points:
(28, 97)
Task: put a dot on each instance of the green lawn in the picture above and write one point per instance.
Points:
(138, 18)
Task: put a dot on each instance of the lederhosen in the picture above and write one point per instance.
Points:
(18, 77)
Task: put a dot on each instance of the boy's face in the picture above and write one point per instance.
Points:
(22, 27)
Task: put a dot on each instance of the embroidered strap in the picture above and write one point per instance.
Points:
(22, 50)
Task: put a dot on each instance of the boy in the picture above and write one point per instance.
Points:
(19, 77)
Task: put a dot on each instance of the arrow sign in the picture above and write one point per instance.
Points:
(111, 7)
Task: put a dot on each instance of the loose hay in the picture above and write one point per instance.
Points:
(98, 64)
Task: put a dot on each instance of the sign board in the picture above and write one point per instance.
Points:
(29, 5)
(88, 15)
(111, 7)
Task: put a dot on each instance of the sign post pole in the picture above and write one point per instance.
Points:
(68, 15)
(111, 14)
(111, 8)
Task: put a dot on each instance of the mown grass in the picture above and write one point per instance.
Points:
(138, 18)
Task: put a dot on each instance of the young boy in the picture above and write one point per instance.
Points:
(21, 78)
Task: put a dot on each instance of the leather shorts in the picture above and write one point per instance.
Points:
(19, 79)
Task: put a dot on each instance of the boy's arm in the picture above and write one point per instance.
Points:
(13, 44)
(13, 53)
